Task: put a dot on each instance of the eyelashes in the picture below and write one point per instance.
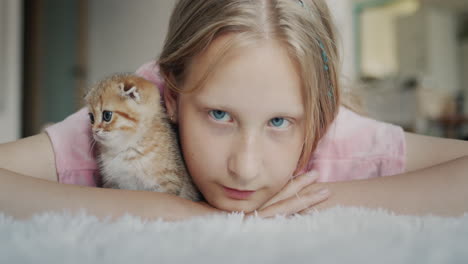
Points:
(280, 122)
(219, 115)
(222, 116)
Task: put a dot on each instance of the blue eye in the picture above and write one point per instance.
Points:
(219, 115)
(279, 122)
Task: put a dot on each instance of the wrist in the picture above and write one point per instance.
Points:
(189, 209)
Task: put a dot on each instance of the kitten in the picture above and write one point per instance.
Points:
(137, 147)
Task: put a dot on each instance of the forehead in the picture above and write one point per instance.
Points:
(259, 76)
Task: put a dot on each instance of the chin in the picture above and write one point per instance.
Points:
(229, 205)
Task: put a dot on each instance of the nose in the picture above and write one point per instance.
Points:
(98, 131)
(245, 162)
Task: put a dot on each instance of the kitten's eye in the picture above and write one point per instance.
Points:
(107, 116)
(219, 115)
(279, 122)
(91, 117)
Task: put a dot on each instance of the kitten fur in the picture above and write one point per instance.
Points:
(137, 147)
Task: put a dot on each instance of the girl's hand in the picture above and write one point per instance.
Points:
(294, 197)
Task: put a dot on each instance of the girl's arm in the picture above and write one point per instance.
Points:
(28, 185)
(424, 151)
(31, 156)
(23, 196)
(439, 190)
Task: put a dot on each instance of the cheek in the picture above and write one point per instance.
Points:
(282, 159)
(203, 154)
(121, 130)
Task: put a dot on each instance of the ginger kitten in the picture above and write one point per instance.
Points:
(137, 147)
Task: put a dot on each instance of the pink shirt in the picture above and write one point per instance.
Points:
(355, 147)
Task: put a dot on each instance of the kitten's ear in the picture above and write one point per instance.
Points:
(130, 90)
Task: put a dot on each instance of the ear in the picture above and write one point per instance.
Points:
(170, 100)
(130, 90)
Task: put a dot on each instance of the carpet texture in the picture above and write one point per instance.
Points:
(337, 235)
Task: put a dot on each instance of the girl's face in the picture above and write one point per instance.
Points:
(242, 132)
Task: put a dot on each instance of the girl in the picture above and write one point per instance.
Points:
(253, 88)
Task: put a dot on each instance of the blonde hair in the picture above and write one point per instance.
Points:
(304, 28)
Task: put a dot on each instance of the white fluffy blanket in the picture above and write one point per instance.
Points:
(337, 235)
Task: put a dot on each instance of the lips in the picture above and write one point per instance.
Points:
(237, 194)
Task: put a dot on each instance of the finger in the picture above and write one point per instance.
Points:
(308, 211)
(295, 204)
(294, 186)
(312, 208)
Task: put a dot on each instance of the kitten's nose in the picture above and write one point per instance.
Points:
(98, 134)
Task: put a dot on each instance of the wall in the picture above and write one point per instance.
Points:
(342, 11)
(124, 34)
(464, 71)
(379, 36)
(10, 43)
(58, 59)
(428, 48)
(443, 62)
(411, 48)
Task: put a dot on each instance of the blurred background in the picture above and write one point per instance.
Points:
(406, 59)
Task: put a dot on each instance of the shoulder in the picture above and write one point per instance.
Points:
(150, 71)
(73, 148)
(66, 131)
(361, 147)
(352, 135)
